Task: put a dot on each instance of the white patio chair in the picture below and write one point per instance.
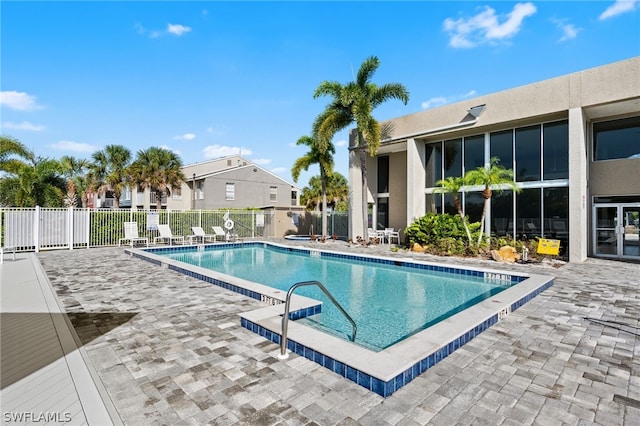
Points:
(219, 232)
(167, 235)
(199, 234)
(131, 234)
(390, 234)
(373, 234)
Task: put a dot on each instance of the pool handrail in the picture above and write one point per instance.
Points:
(287, 305)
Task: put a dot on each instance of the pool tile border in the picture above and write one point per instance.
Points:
(379, 384)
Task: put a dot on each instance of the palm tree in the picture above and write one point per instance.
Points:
(324, 159)
(453, 185)
(9, 149)
(28, 180)
(75, 170)
(311, 195)
(109, 171)
(159, 170)
(354, 103)
(337, 189)
(493, 178)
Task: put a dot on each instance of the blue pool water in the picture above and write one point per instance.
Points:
(387, 302)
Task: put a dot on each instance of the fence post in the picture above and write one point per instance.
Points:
(253, 224)
(70, 227)
(88, 227)
(200, 218)
(36, 229)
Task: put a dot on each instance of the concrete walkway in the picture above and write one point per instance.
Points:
(169, 349)
(45, 376)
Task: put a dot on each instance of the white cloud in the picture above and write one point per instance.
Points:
(73, 146)
(177, 29)
(168, 148)
(618, 8)
(185, 137)
(486, 26)
(25, 125)
(278, 170)
(216, 151)
(20, 101)
(569, 31)
(441, 100)
(434, 102)
(341, 142)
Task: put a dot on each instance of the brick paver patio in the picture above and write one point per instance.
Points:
(170, 350)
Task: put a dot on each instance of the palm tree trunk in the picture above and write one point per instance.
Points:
(323, 179)
(158, 200)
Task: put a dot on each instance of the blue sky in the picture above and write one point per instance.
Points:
(208, 79)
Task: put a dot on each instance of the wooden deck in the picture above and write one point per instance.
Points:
(45, 375)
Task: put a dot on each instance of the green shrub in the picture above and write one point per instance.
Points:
(431, 228)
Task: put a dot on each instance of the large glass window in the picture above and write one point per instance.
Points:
(555, 138)
(527, 154)
(473, 205)
(502, 213)
(449, 205)
(433, 203)
(433, 166)
(473, 152)
(501, 146)
(383, 174)
(453, 158)
(383, 213)
(556, 215)
(528, 224)
(617, 139)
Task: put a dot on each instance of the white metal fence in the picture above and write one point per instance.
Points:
(35, 229)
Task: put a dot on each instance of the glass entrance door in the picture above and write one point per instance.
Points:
(616, 230)
(630, 227)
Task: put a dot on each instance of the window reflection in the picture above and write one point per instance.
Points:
(617, 139)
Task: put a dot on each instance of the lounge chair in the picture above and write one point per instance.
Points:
(219, 232)
(199, 234)
(131, 234)
(167, 235)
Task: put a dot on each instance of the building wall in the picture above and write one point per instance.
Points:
(604, 93)
(252, 189)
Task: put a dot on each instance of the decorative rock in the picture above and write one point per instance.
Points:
(417, 248)
(506, 254)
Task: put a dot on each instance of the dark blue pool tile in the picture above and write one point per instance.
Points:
(364, 380)
(328, 362)
(398, 381)
(352, 374)
(339, 368)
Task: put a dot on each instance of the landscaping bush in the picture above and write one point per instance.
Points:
(431, 228)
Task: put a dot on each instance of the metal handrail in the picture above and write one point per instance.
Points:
(285, 318)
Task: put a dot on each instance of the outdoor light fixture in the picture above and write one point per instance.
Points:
(477, 110)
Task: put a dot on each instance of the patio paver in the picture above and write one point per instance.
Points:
(169, 349)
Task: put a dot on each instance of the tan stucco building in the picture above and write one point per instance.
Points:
(572, 141)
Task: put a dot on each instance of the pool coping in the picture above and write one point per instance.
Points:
(382, 372)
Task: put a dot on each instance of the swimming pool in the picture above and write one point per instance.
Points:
(388, 302)
(382, 371)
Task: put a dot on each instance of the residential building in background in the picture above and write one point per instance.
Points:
(224, 183)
